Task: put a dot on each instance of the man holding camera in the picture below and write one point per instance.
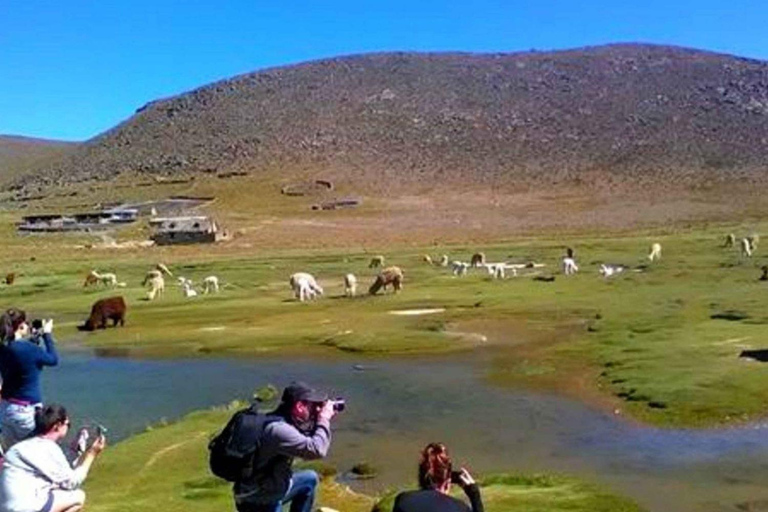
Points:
(299, 427)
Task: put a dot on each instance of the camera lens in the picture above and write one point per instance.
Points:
(339, 405)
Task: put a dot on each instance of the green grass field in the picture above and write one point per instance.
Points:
(642, 342)
(165, 469)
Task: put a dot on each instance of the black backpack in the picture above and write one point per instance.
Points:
(233, 450)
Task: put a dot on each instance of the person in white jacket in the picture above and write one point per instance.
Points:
(36, 475)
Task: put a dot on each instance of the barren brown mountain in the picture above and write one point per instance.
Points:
(625, 113)
(20, 154)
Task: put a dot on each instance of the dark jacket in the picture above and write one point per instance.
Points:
(435, 501)
(21, 362)
(281, 442)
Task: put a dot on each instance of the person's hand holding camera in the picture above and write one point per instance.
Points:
(327, 411)
(48, 326)
(464, 478)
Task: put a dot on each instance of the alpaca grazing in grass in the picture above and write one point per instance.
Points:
(746, 248)
(389, 276)
(112, 308)
(569, 266)
(93, 278)
(350, 285)
(188, 291)
(305, 286)
(154, 279)
(498, 270)
(459, 268)
(608, 270)
(210, 284)
(376, 262)
(655, 253)
(753, 239)
(478, 259)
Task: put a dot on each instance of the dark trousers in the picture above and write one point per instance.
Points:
(301, 495)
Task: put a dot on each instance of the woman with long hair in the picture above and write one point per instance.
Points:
(21, 361)
(435, 478)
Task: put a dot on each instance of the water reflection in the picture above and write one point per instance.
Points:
(395, 407)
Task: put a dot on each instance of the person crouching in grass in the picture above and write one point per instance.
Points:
(36, 476)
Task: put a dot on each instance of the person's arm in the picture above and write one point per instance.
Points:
(398, 507)
(84, 462)
(49, 356)
(295, 444)
(472, 490)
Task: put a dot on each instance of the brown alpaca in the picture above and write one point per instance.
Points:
(91, 279)
(10, 278)
(478, 259)
(390, 275)
(112, 308)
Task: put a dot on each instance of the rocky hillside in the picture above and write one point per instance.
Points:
(623, 113)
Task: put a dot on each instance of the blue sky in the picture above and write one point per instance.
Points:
(72, 69)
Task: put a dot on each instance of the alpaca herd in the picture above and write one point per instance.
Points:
(305, 287)
(154, 282)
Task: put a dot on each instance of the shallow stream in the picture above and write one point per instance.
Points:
(395, 407)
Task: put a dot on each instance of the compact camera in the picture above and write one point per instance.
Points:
(339, 404)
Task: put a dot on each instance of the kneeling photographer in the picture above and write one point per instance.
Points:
(299, 427)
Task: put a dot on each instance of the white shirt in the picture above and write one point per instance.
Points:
(31, 469)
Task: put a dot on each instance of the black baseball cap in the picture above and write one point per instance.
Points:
(301, 392)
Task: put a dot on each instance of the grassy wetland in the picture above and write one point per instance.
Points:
(658, 346)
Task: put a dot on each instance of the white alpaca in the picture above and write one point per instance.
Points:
(305, 286)
(211, 284)
(459, 268)
(107, 279)
(444, 260)
(183, 281)
(156, 286)
(610, 270)
(746, 248)
(655, 253)
(188, 291)
(569, 266)
(498, 270)
(350, 285)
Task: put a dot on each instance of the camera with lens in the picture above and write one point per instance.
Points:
(339, 404)
(37, 330)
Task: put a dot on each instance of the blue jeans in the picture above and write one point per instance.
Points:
(17, 422)
(301, 495)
